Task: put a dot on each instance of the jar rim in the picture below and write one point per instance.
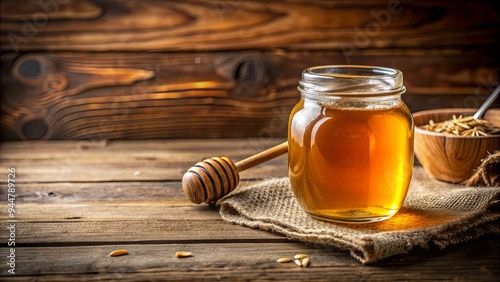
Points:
(351, 80)
(372, 71)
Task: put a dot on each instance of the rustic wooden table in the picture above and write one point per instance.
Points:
(76, 201)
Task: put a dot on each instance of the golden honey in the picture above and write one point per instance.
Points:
(351, 157)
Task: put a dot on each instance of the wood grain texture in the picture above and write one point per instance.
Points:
(89, 161)
(203, 95)
(230, 262)
(66, 229)
(112, 25)
(53, 231)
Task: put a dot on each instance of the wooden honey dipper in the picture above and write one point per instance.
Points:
(213, 178)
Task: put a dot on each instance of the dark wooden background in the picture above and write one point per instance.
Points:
(109, 69)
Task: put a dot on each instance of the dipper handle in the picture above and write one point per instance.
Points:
(213, 178)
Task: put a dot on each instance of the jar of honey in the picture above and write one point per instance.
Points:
(350, 138)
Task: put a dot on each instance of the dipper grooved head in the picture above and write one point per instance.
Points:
(210, 180)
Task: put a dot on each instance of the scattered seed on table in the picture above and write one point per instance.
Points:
(183, 254)
(284, 260)
(300, 256)
(117, 253)
(306, 261)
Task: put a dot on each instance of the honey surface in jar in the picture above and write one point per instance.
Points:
(350, 164)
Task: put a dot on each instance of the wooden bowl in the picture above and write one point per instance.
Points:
(447, 157)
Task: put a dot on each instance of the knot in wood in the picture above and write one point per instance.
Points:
(250, 72)
(30, 69)
(34, 129)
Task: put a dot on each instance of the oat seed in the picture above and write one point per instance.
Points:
(306, 261)
(284, 260)
(300, 256)
(118, 253)
(463, 126)
(183, 254)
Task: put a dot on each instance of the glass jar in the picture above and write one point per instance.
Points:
(350, 141)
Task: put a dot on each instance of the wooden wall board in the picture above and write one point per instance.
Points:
(112, 25)
(203, 95)
(109, 69)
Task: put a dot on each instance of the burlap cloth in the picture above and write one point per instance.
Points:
(434, 214)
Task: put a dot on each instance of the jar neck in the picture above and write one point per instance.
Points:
(352, 84)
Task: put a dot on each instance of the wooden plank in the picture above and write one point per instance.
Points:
(171, 150)
(247, 261)
(170, 192)
(206, 95)
(112, 25)
(210, 261)
(94, 161)
(57, 231)
(117, 210)
(72, 192)
(114, 170)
